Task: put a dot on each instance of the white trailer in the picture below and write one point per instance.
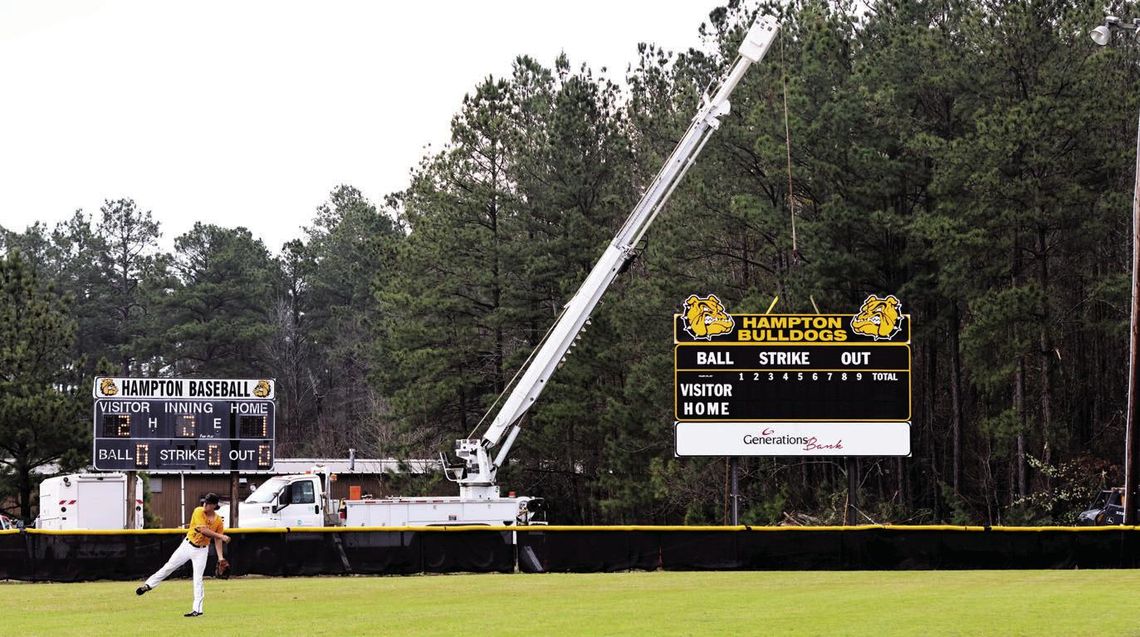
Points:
(88, 501)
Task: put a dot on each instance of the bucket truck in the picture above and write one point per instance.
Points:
(479, 459)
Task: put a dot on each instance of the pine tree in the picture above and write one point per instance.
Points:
(216, 318)
(41, 394)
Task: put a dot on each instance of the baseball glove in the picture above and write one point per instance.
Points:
(223, 569)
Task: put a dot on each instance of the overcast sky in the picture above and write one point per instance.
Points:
(249, 113)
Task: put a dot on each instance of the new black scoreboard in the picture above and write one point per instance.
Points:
(783, 384)
(183, 424)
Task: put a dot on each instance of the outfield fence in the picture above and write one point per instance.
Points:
(63, 556)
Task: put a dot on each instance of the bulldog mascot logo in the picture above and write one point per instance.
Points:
(107, 387)
(706, 318)
(262, 389)
(879, 318)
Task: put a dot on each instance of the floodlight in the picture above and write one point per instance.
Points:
(1100, 35)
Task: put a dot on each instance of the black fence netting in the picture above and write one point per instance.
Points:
(70, 557)
(588, 551)
(127, 555)
(873, 548)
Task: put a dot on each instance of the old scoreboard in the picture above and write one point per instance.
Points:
(788, 384)
(183, 424)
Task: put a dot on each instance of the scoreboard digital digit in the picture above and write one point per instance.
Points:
(191, 425)
(785, 384)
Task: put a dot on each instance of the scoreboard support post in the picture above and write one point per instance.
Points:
(850, 513)
(233, 523)
(182, 499)
(132, 479)
(735, 468)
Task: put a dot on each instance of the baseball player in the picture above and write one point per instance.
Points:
(205, 524)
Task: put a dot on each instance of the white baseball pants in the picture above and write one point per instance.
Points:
(186, 552)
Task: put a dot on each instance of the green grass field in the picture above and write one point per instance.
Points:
(722, 603)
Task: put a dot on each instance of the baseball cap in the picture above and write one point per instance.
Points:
(212, 498)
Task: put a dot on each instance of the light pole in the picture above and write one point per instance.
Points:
(1101, 35)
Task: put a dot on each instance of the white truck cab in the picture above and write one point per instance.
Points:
(287, 501)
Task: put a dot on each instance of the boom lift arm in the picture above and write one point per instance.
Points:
(476, 477)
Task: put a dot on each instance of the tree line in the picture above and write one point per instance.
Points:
(973, 158)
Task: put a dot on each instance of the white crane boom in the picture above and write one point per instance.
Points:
(476, 477)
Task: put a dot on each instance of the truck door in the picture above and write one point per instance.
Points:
(299, 503)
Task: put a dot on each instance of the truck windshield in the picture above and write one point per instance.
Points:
(267, 491)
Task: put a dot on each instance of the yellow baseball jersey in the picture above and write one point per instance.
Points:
(197, 519)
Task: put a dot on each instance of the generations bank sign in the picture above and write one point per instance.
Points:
(183, 424)
(792, 384)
